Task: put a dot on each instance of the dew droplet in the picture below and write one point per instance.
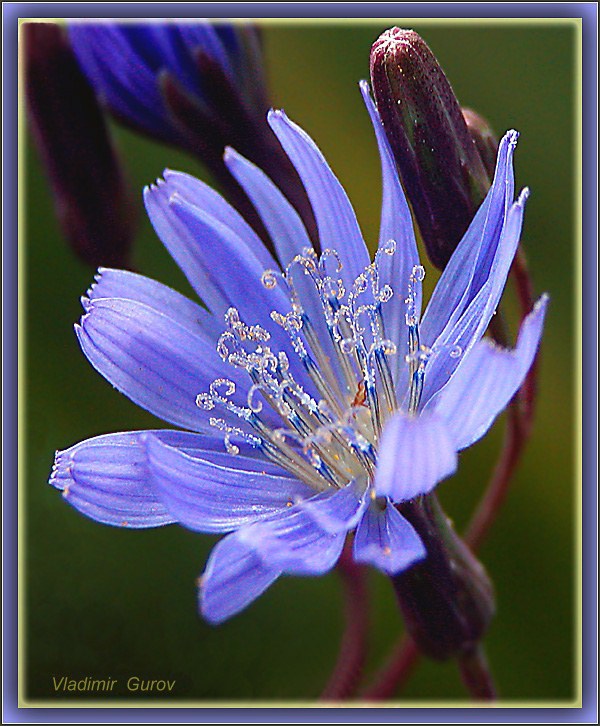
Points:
(418, 273)
(269, 279)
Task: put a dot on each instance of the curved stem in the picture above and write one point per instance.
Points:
(518, 429)
(476, 676)
(405, 655)
(347, 671)
(394, 672)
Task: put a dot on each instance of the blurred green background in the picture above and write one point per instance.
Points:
(112, 603)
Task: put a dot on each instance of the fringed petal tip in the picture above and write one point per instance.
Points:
(364, 86)
(275, 114)
(58, 476)
(523, 197)
(106, 479)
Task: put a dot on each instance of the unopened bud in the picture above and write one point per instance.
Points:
(447, 600)
(439, 163)
(199, 86)
(485, 139)
(90, 195)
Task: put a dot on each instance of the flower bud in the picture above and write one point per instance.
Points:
(485, 140)
(90, 194)
(197, 86)
(447, 600)
(439, 163)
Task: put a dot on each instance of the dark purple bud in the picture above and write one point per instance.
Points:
(90, 195)
(485, 139)
(441, 170)
(447, 600)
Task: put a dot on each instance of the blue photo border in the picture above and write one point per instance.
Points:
(587, 713)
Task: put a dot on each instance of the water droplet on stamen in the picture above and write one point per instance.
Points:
(418, 273)
(269, 279)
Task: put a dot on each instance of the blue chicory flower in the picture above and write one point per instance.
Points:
(127, 63)
(328, 398)
(197, 85)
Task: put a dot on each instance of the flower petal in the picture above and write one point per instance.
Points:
(106, 479)
(188, 251)
(234, 268)
(198, 194)
(207, 237)
(281, 220)
(245, 563)
(294, 543)
(238, 274)
(212, 497)
(470, 263)
(461, 334)
(338, 512)
(235, 576)
(127, 83)
(336, 221)
(486, 381)
(387, 540)
(415, 453)
(131, 286)
(153, 359)
(396, 224)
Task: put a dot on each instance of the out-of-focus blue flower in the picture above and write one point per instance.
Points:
(91, 196)
(197, 85)
(329, 397)
(128, 65)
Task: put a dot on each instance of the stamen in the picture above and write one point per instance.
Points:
(329, 440)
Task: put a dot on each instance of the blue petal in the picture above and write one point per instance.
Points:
(219, 497)
(307, 539)
(281, 219)
(235, 576)
(336, 221)
(206, 239)
(153, 359)
(290, 239)
(235, 270)
(396, 224)
(486, 381)
(237, 273)
(460, 335)
(130, 286)
(414, 454)
(470, 263)
(206, 199)
(385, 539)
(209, 446)
(106, 478)
(189, 252)
(119, 74)
(246, 562)
(339, 512)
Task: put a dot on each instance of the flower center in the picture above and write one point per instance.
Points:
(331, 390)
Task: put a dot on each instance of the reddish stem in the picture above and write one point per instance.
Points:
(347, 672)
(405, 655)
(476, 676)
(394, 672)
(518, 429)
